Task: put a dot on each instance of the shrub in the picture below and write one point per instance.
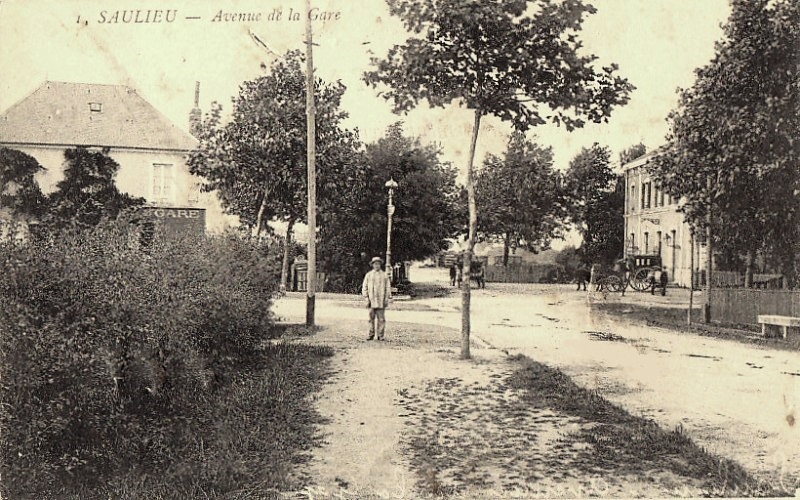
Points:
(109, 351)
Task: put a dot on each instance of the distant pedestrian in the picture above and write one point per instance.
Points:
(658, 279)
(663, 279)
(625, 268)
(459, 274)
(377, 291)
(453, 273)
(651, 281)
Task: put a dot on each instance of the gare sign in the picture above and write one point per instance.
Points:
(177, 213)
(179, 219)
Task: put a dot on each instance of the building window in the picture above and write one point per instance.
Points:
(194, 193)
(662, 197)
(163, 183)
(644, 191)
(649, 194)
(632, 202)
(658, 243)
(646, 243)
(95, 107)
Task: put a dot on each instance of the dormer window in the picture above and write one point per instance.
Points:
(95, 107)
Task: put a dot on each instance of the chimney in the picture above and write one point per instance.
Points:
(195, 116)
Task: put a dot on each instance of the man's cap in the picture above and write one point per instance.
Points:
(376, 259)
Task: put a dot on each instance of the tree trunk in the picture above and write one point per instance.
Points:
(287, 251)
(748, 271)
(261, 210)
(709, 257)
(505, 249)
(691, 276)
(473, 223)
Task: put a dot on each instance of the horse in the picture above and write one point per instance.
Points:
(582, 277)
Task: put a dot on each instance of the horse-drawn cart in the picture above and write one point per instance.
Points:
(634, 271)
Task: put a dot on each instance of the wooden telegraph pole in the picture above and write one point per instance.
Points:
(311, 152)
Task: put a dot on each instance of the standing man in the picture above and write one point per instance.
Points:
(453, 273)
(377, 290)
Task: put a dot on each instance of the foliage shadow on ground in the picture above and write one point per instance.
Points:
(531, 432)
(623, 443)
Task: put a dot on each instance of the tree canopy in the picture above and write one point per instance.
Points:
(257, 161)
(520, 197)
(503, 58)
(19, 191)
(734, 144)
(632, 153)
(597, 204)
(87, 194)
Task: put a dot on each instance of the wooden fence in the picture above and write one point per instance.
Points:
(532, 273)
(743, 305)
(734, 279)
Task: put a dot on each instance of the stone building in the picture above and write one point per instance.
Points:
(152, 152)
(655, 226)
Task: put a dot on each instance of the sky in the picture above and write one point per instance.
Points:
(656, 43)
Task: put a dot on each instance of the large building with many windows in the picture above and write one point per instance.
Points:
(655, 226)
(151, 151)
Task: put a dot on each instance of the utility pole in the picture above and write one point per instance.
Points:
(311, 152)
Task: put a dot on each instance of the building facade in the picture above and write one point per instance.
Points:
(655, 226)
(152, 152)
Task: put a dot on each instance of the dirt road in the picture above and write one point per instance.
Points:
(736, 400)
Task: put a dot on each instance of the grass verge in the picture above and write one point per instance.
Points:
(246, 441)
(675, 319)
(622, 443)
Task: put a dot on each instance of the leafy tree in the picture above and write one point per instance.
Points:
(734, 146)
(257, 161)
(519, 196)
(20, 194)
(597, 204)
(508, 58)
(589, 173)
(632, 153)
(426, 209)
(87, 194)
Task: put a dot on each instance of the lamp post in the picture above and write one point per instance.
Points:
(391, 185)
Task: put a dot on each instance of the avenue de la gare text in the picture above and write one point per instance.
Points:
(154, 16)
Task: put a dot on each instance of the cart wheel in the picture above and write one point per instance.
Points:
(614, 284)
(639, 279)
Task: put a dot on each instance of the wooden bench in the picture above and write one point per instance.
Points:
(785, 322)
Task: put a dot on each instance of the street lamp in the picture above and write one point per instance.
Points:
(391, 185)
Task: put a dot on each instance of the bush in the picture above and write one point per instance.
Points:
(110, 353)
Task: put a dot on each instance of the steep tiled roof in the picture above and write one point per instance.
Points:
(60, 113)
